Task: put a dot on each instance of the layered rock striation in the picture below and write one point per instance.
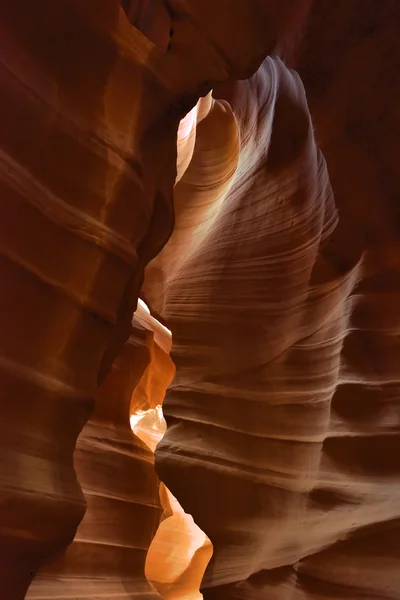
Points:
(279, 282)
(79, 222)
(282, 418)
(90, 109)
(116, 472)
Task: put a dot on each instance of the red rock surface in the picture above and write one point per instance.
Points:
(180, 551)
(83, 210)
(116, 472)
(198, 193)
(283, 418)
(120, 544)
(279, 283)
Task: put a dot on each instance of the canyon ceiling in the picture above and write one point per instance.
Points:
(235, 165)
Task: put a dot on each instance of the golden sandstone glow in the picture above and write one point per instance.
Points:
(180, 551)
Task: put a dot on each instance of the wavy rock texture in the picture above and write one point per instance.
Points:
(180, 551)
(283, 414)
(83, 210)
(90, 109)
(116, 472)
(198, 194)
(121, 529)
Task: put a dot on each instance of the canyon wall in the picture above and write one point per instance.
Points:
(90, 109)
(283, 417)
(116, 472)
(280, 284)
(83, 210)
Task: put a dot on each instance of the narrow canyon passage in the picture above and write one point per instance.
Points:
(121, 545)
(179, 552)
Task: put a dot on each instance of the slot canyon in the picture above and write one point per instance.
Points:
(200, 300)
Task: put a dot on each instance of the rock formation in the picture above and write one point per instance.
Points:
(283, 417)
(279, 283)
(180, 551)
(121, 529)
(83, 210)
(116, 472)
(198, 193)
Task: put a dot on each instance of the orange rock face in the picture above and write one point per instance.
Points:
(282, 422)
(280, 284)
(198, 194)
(78, 225)
(120, 545)
(115, 470)
(180, 551)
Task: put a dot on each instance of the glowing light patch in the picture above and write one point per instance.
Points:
(143, 305)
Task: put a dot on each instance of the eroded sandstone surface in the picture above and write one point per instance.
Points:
(236, 163)
(283, 415)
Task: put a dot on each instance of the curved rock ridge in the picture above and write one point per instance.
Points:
(198, 193)
(90, 109)
(187, 131)
(151, 18)
(180, 551)
(284, 414)
(116, 472)
(352, 84)
(82, 211)
(281, 423)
